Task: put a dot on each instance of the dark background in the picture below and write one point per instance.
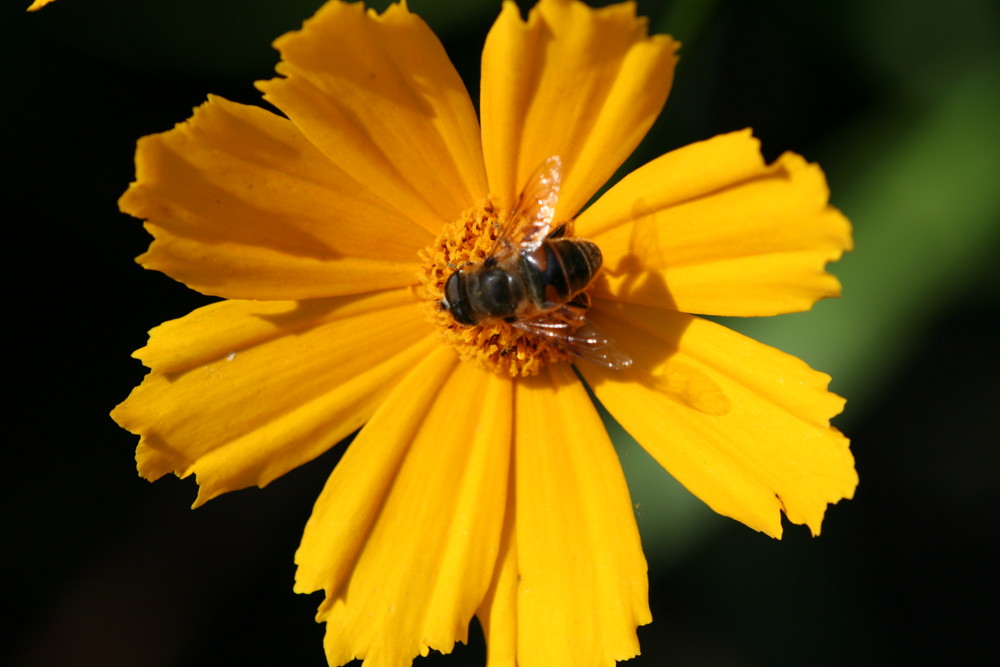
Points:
(898, 100)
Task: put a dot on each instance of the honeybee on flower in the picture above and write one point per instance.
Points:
(535, 278)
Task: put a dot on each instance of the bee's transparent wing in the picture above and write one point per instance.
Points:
(531, 220)
(537, 205)
(580, 337)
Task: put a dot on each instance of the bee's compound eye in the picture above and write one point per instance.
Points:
(455, 301)
(449, 289)
(451, 292)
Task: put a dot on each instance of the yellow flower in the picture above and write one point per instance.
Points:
(482, 481)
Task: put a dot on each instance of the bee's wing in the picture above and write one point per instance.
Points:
(531, 221)
(580, 337)
(537, 205)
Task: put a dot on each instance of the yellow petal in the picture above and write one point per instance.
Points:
(241, 205)
(498, 613)
(378, 95)
(581, 576)
(242, 392)
(584, 84)
(743, 426)
(709, 228)
(404, 537)
(38, 4)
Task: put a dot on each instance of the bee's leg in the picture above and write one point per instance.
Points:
(580, 301)
(558, 232)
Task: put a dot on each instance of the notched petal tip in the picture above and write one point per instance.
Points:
(711, 229)
(404, 537)
(574, 523)
(241, 392)
(377, 94)
(772, 450)
(242, 205)
(581, 83)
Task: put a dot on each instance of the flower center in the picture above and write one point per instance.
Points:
(492, 342)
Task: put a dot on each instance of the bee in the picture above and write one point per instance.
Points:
(534, 278)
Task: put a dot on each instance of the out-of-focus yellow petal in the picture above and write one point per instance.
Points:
(38, 4)
(378, 95)
(241, 205)
(584, 84)
(405, 536)
(580, 574)
(709, 228)
(743, 426)
(242, 392)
